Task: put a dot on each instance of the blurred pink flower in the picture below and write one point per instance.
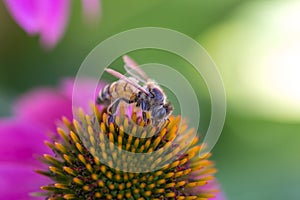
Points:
(23, 136)
(48, 18)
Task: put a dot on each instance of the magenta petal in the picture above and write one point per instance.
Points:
(20, 141)
(91, 10)
(219, 196)
(215, 185)
(54, 15)
(44, 107)
(25, 13)
(88, 90)
(18, 181)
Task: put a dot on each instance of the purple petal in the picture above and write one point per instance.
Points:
(219, 196)
(54, 15)
(44, 107)
(214, 185)
(16, 182)
(25, 13)
(91, 10)
(88, 90)
(20, 141)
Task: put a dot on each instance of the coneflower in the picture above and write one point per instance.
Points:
(77, 171)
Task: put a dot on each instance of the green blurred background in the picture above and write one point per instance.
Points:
(256, 46)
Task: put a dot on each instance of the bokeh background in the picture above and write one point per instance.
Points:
(256, 46)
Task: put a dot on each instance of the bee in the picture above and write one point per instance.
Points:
(149, 97)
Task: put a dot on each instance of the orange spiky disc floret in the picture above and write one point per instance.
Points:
(76, 171)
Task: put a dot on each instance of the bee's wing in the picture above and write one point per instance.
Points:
(134, 70)
(121, 76)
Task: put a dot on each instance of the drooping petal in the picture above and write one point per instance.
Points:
(25, 13)
(44, 107)
(18, 181)
(20, 141)
(91, 10)
(54, 15)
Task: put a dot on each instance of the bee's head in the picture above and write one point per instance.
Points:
(156, 92)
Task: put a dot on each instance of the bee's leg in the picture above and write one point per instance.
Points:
(137, 99)
(144, 116)
(144, 112)
(113, 108)
(111, 111)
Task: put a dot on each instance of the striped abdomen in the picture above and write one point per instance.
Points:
(115, 90)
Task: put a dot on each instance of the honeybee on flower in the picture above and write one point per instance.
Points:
(150, 97)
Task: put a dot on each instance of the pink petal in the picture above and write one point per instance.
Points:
(20, 141)
(18, 181)
(25, 13)
(91, 10)
(213, 185)
(46, 17)
(44, 107)
(54, 15)
(88, 90)
(219, 196)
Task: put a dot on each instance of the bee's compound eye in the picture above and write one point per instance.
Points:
(158, 95)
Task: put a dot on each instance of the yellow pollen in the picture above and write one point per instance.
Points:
(74, 137)
(86, 188)
(62, 134)
(119, 196)
(94, 177)
(111, 186)
(121, 186)
(89, 167)
(148, 193)
(81, 158)
(97, 194)
(60, 186)
(169, 185)
(69, 196)
(67, 158)
(78, 181)
(159, 190)
(55, 170)
(171, 194)
(79, 147)
(195, 184)
(103, 169)
(60, 147)
(161, 181)
(69, 171)
(101, 183)
(128, 184)
(181, 183)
